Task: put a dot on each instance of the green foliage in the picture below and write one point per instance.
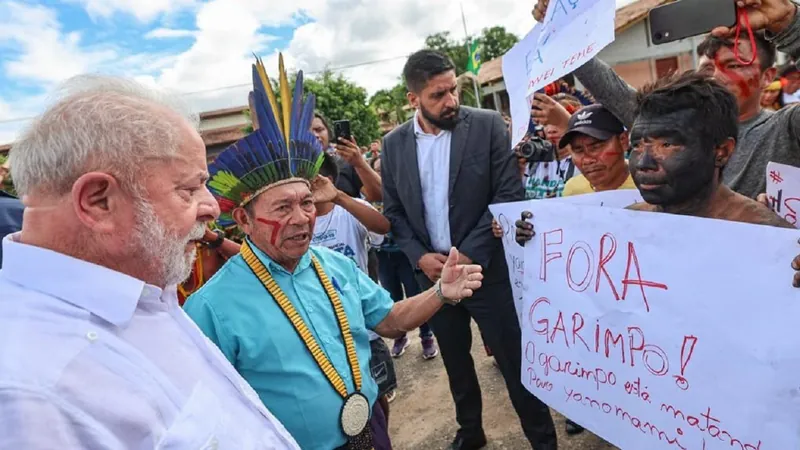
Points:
(495, 42)
(389, 104)
(341, 99)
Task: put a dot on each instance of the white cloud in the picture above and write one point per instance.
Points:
(167, 33)
(46, 54)
(143, 10)
(227, 32)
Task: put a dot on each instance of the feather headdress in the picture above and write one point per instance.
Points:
(281, 148)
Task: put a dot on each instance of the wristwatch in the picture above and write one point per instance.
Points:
(438, 289)
(216, 243)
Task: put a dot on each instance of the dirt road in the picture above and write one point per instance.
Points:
(422, 417)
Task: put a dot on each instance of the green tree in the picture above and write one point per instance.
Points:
(390, 104)
(495, 42)
(341, 99)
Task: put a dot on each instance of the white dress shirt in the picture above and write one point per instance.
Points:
(433, 160)
(91, 358)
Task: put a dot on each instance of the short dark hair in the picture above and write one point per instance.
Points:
(329, 167)
(766, 51)
(716, 109)
(424, 65)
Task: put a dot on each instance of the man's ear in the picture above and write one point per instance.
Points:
(99, 201)
(624, 141)
(723, 152)
(413, 99)
(243, 219)
(768, 76)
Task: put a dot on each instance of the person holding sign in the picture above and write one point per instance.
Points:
(292, 319)
(742, 59)
(683, 135)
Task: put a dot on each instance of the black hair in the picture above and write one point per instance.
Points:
(325, 122)
(766, 51)
(424, 65)
(569, 79)
(715, 107)
(329, 167)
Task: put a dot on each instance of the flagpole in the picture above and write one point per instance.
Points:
(469, 54)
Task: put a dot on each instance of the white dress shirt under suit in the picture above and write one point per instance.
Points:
(91, 358)
(433, 161)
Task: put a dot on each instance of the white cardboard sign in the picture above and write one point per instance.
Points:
(658, 331)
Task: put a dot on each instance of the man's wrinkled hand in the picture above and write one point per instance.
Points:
(350, 151)
(459, 280)
(323, 190)
(772, 15)
(525, 230)
(431, 264)
(546, 111)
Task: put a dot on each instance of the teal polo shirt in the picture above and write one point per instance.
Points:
(237, 313)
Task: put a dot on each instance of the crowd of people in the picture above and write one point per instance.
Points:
(153, 300)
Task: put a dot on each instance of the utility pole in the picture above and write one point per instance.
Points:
(469, 54)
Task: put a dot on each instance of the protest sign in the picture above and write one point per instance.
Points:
(574, 32)
(783, 190)
(507, 214)
(653, 331)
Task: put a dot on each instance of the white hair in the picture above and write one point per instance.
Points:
(100, 123)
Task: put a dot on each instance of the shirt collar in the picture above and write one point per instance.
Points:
(419, 132)
(104, 292)
(305, 261)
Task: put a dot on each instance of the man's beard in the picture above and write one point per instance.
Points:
(164, 251)
(442, 124)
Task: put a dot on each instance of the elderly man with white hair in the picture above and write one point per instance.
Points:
(95, 352)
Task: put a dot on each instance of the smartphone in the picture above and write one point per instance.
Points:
(686, 18)
(341, 129)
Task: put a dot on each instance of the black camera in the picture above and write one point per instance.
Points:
(535, 148)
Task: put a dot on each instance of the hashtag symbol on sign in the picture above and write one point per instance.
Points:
(776, 176)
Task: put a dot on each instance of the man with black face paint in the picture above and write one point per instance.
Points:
(683, 135)
(441, 170)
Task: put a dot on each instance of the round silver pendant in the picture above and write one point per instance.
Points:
(355, 414)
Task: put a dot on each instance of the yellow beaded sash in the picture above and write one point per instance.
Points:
(300, 326)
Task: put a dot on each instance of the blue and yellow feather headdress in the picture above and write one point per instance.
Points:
(281, 148)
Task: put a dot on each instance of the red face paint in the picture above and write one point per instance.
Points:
(276, 228)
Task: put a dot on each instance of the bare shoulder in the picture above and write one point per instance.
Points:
(751, 211)
(642, 207)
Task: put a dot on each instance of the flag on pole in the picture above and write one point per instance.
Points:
(474, 58)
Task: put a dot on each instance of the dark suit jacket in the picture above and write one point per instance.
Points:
(10, 217)
(482, 171)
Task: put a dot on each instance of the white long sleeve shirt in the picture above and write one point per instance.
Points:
(94, 359)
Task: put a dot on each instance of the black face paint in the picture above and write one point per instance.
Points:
(439, 122)
(671, 162)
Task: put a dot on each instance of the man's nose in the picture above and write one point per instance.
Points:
(646, 161)
(208, 208)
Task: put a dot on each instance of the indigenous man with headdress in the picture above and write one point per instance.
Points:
(294, 319)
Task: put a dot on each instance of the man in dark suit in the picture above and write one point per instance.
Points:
(441, 170)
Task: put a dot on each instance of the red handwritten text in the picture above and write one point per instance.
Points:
(580, 251)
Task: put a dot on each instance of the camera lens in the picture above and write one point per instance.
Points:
(658, 36)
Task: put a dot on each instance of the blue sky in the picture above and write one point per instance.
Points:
(187, 46)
